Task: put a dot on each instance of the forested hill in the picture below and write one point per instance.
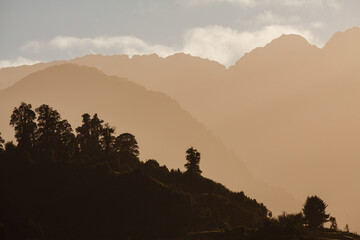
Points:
(92, 185)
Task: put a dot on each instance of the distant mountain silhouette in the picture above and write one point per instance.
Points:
(289, 109)
(163, 129)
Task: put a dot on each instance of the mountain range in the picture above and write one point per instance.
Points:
(288, 111)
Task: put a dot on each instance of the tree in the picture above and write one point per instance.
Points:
(126, 145)
(107, 138)
(54, 135)
(127, 149)
(314, 212)
(193, 161)
(347, 229)
(89, 134)
(22, 119)
(333, 222)
(83, 133)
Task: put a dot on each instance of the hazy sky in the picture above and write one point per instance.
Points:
(222, 30)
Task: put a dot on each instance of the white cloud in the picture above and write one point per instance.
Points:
(17, 62)
(317, 25)
(218, 43)
(227, 45)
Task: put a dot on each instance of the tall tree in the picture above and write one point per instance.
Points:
(54, 135)
(89, 134)
(22, 119)
(107, 138)
(96, 130)
(127, 150)
(314, 212)
(193, 162)
(83, 133)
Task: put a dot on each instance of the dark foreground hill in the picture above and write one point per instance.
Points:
(92, 185)
(63, 200)
(74, 200)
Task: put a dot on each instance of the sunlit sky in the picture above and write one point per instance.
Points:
(221, 30)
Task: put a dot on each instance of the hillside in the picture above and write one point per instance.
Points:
(163, 129)
(77, 197)
(92, 185)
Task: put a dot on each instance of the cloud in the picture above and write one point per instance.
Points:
(252, 3)
(317, 25)
(73, 46)
(335, 4)
(227, 45)
(17, 62)
(222, 44)
(268, 17)
(204, 2)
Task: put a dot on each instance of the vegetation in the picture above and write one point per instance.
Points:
(92, 185)
(193, 161)
(314, 211)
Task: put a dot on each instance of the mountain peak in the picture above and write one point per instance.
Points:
(279, 50)
(287, 41)
(347, 40)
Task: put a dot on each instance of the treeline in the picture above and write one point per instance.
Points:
(42, 135)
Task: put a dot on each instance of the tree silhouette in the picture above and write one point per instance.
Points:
(22, 119)
(107, 138)
(89, 133)
(54, 135)
(96, 129)
(314, 212)
(83, 136)
(126, 145)
(347, 229)
(333, 222)
(193, 158)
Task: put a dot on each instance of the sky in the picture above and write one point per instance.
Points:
(220, 30)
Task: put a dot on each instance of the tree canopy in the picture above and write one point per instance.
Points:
(53, 134)
(22, 119)
(193, 162)
(314, 212)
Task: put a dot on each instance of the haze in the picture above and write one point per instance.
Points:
(274, 115)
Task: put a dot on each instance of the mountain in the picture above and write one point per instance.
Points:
(299, 106)
(10, 75)
(289, 110)
(163, 129)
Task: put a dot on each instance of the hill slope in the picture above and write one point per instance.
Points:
(163, 129)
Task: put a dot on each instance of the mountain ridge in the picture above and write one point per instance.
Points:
(157, 120)
(277, 114)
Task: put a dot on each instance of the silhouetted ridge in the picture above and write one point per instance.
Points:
(93, 185)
